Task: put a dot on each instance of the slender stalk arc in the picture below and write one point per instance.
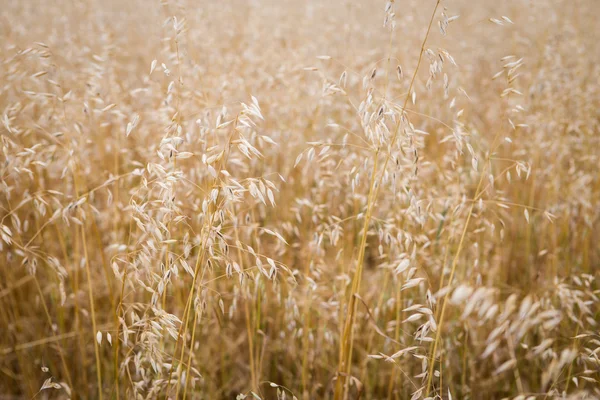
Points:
(346, 342)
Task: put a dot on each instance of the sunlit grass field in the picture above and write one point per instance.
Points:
(299, 199)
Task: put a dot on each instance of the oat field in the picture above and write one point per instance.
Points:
(334, 199)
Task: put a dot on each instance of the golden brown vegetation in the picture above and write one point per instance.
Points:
(279, 199)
